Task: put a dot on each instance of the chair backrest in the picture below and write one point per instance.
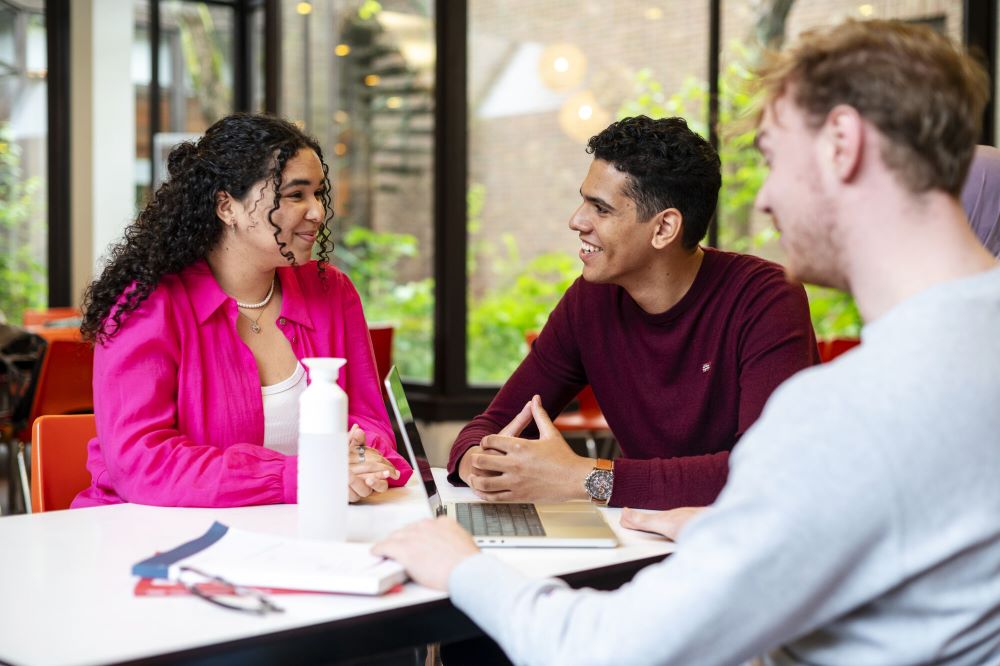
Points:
(382, 344)
(585, 398)
(65, 382)
(40, 317)
(59, 460)
(588, 402)
(834, 347)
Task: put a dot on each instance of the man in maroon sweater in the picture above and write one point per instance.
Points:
(681, 344)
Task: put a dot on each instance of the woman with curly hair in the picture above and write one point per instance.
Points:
(200, 319)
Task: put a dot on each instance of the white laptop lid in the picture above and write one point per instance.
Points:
(411, 438)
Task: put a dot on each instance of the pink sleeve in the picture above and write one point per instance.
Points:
(364, 393)
(148, 460)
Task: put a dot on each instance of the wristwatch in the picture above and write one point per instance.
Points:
(600, 482)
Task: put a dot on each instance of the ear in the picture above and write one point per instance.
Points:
(843, 141)
(225, 208)
(668, 225)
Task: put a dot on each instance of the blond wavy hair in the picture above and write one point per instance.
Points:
(922, 91)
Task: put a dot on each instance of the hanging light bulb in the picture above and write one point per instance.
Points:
(581, 117)
(561, 66)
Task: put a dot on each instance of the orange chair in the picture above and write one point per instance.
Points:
(834, 347)
(381, 336)
(64, 386)
(53, 333)
(589, 420)
(47, 315)
(59, 460)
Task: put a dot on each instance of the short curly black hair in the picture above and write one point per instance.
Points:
(179, 226)
(668, 166)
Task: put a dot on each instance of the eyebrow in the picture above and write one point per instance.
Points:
(596, 200)
(298, 182)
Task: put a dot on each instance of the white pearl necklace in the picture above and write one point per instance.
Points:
(263, 303)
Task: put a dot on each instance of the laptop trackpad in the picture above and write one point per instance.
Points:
(561, 517)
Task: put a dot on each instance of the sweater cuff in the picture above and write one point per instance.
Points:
(631, 484)
(457, 451)
(290, 480)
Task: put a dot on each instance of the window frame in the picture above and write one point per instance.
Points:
(449, 396)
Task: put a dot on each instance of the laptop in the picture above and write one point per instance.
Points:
(500, 524)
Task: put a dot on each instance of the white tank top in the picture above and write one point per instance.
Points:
(281, 412)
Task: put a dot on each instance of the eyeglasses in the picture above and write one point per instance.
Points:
(217, 590)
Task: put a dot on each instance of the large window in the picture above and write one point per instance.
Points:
(359, 75)
(195, 77)
(23, 158)
(454, 131)
(544, 76)
(747, 28)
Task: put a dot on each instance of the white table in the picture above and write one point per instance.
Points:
(67, 592)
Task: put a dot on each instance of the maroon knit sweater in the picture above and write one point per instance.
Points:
(678, 388)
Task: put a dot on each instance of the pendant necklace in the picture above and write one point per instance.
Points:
(254, 323)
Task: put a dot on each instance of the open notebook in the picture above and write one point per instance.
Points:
(253, 559)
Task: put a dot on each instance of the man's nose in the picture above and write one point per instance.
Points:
(578, 221)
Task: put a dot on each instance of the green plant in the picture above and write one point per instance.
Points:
(371, 259)
(834, 313)
(22, 278)
(743, 171)
(518, 298)
(521, 302)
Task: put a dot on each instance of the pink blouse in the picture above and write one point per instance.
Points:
(177, 398)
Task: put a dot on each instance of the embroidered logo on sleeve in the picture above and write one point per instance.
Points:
(705, 367)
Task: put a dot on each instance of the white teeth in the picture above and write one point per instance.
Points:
(590, 249)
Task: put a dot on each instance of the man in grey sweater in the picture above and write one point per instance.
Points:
(861, 520)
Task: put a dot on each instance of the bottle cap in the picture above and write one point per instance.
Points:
(327, 369)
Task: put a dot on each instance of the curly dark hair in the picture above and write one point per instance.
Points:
(179, 226)
(668, 166)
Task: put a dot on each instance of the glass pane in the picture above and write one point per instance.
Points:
(545, 76)
(195, 76)
(257, 68)
(141, 76)
(746, 26)
(23, 160)
(360, 76)
(8, 43)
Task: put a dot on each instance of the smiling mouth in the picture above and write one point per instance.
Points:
(307, 236)
(587, 248)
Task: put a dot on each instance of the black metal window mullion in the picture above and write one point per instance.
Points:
(241, 55)
(979, 32)
(155, 118)
(451, 175)
(57, 46)
(714, 28)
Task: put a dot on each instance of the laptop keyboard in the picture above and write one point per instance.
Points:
(486, 519)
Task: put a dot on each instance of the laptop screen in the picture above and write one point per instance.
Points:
(407, 433)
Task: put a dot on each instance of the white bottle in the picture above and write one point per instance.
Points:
(323, 496)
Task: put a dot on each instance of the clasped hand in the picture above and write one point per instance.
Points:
(506, 467)
(368, 472)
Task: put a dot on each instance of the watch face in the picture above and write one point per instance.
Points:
(599, 483)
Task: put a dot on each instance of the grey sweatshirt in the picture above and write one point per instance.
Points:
(860, 523)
